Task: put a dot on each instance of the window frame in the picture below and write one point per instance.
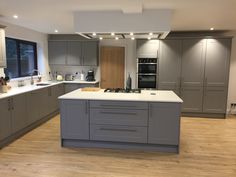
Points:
(18, 42)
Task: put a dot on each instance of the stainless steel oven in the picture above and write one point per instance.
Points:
(147, 73)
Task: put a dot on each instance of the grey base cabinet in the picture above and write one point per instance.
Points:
(5, 120)
(114, 124)
(71, 87)
(164, 123)
(75, 119)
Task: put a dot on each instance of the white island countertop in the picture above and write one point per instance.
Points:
(145, 95)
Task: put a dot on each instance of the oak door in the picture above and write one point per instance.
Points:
(112, 67)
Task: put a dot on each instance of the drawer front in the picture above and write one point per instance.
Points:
(118, 133)
(119, 117)
(118, 105)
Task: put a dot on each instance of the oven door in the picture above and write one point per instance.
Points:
(147, 80)
(147, 68)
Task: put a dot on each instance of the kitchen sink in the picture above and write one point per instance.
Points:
(42, 84)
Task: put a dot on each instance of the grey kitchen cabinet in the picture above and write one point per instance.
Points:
(13, 115)
(71, 87)
(193, 98)
(215, 99)
(147, 48)
(217, 62)
(33, 106)
(5, 119)
(75, 119)
(193, 61)
(170, 65)
(19, 112)
(56, 91)
(57, 52)
(3, 62)
(164, 123)
(90, 53)
(74, 53)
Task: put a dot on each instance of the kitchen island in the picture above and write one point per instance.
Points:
(149, 120)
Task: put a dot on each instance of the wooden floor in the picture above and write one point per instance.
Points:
(208, 149)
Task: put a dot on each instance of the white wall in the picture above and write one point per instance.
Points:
(130, 56)
(18, 32)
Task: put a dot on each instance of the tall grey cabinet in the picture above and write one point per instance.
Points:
(170, 65)
(197, 70)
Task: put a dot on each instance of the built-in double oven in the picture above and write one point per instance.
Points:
(147, 73)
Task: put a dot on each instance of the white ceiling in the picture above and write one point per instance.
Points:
(48, 15)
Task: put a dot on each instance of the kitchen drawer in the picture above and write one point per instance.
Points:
(118, 133)
(131, 117)
(118, 105)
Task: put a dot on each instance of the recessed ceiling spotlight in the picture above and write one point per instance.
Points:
(149, 38)
(150, 34)
(116, 38)
(113, 34)
(15, 16)
(101, 38)
(132, 38)
(131, 34)
(211, 29)
(94, 34)
(56, 31)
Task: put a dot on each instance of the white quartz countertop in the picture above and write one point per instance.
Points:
(145, 95)
(29, 88)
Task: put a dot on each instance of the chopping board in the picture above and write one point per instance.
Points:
(90, 89)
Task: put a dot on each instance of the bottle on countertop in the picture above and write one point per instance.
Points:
(129, 83)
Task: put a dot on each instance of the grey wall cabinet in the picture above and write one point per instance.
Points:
(5, 119)
(75, 119)
(147, 48)
(90, 53)
(19, 112)
(76, 53)
(164, 121)
(57, 52)
(170, 65)
(3, 62)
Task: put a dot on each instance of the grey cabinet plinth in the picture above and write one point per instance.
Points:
(170, 65)
(164, 123)
(5, 119)
(75, 119)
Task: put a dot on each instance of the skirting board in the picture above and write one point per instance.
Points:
(118, 145)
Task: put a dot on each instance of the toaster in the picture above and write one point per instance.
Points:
(69, 77)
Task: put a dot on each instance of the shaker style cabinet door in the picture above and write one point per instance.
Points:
(5, 118)
(3, 62)
(164, 123)
(19, 112)
(74, 53)
(57, 52)
(170, 65)
(90, 53)
(75, 119)
(217, 62)
(147, 48)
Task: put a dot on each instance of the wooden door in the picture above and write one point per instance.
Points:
(112, 67)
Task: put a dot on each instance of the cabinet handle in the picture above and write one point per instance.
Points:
(118, 129)
(12, 104)
(150, 110)
(9, 104)
(122, 113)
(103, 105)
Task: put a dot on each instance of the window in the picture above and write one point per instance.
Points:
(21, 58)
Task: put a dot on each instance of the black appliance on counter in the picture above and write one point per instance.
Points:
(147, 73)
(121, 90)
(90, 76)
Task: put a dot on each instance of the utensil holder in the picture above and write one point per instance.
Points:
(3, 89)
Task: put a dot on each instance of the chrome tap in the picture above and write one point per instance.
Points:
(32, 74)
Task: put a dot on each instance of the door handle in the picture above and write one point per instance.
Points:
(12, 104)
(9, 104)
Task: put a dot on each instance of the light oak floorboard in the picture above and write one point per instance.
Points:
(208, 149)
